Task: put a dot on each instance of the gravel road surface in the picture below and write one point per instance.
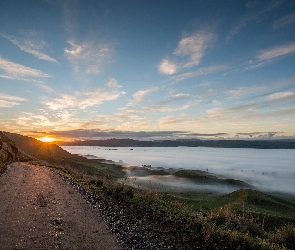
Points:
(39, 210)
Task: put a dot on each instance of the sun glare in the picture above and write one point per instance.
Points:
(46, 139)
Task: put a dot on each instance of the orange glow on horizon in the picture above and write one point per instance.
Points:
(46, 139)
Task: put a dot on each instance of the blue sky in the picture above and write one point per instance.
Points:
(148, 69)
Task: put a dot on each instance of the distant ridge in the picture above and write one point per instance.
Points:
(260, 144)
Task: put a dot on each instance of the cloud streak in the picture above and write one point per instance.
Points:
(8, 101)
(237, 93)
(164, 106)
(259, 12)
(284, 21)
(282, 96)
(32, 47)
(20, 72)
(141, 95)
(276, 51)
(189, 53)
(88, 57)
(82, 100)
(193, 47)
(196, 73)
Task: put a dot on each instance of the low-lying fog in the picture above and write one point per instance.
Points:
(265, 169)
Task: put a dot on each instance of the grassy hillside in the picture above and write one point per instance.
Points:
(8, 151)
(203, 177)
(30, 149)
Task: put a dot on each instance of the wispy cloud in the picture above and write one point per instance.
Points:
(46, 121)
(31, 45)
(89, 57)
(189, 52)
(193, 47)
(280, 96)
(113, 83)
(8, 101)
(17, 71)
(257, 11)
(246, 120)
(198, 72)
(31, 120)
(44, 87)
(255, 109)
(135, 125)
(54, 121)
(128, 113)
(276, 51)
(175, 120)
(236, 93)
(82, 100)
(284, 21)
(267, 56)
(139, 96)
(168, 108)
(168, 105)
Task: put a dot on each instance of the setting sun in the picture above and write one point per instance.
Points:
(46, 139)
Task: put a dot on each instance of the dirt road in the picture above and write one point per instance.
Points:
(39, 210)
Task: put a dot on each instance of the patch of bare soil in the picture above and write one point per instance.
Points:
(39, 210)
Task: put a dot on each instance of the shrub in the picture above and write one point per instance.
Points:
(285, 236)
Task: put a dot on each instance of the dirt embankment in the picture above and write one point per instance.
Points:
(8, 151)
(39, 210)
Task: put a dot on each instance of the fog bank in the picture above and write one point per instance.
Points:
(265, 169)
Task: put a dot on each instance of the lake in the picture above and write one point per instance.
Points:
(266, 169)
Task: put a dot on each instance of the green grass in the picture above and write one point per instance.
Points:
(202, 177)
(98, 168)
(270, 209)
(234, 221)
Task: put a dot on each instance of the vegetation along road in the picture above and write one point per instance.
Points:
(40, 210)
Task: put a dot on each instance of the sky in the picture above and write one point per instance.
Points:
(148, 70)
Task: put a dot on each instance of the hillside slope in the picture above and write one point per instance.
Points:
(8, 151)
(260, 202)
(30, 148)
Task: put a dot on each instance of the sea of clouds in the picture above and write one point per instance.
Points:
(266, 169)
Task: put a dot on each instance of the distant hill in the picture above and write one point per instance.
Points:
(261, 144)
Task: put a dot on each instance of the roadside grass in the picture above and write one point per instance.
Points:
(103, 169)
(217, 222)
(272, 210)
